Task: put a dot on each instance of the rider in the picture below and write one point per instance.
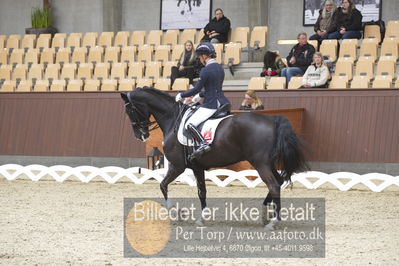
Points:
(211, 79)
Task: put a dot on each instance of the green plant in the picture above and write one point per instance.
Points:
(41, 17)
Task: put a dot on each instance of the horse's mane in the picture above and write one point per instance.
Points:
(154, 91)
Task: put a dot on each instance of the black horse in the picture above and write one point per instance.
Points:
(267, 142)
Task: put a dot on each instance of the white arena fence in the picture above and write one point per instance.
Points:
(138, 175)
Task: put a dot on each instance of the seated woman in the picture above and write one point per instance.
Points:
(272, 64)
(317, 74)
(186, 66)
(326, 22)
(251, 101)
(348, 22)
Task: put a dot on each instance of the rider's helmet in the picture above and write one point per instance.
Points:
(206, 48)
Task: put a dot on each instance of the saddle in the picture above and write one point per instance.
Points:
(207, 128)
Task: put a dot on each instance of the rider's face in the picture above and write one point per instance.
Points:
(202, 58)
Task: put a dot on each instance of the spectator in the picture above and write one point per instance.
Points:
(348, 22)
(185, 66)
(326, 23)
(251, 101)
(217, 29)
(272, 64)
(317, 74)
(299, 58)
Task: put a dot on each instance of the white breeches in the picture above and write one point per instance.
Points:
(200, 116)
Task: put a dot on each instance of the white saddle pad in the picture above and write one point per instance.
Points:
(208, 129)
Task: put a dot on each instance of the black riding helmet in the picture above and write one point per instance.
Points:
(206, 48)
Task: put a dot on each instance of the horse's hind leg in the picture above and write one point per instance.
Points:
(200, 176)
(171, 175)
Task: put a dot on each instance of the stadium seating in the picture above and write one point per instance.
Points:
(181, 84)
(188, 34)
(348, 48)
(258, 37)
(137, 38)
(90, 39)
(295, 83)
(339, 82)
(276, 83)
(360, 82)
(329, 49)
(372, 31)
(58, 85)
(121, 39)
(257, 83)
(240, 35)
(109, 85)
(382, 82)
(392, 29)
(74, 40)
(162, 84)
(171, 37)
(105, 40)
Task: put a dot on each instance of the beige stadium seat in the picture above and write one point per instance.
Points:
(258, 37)
(112, 54)
(382, 82)
(28, 41)
(315, 44)
(85, 71)
(138, 38)
(257, 83)
(154, 37)
(170, 37)
(74, 40)
(372, 32)
(188, 35)
(365, 68)
(232, 55)
(75, 85)
(79, 55)
(153, 70)
(121, 39)
(8, 86)
(101, 71)
(68, 71)
(2, 41)
(63, 55)
(36, 72)
(162, 53)
(339, 82)
(181, 84)
(13, 41)
(136, 70)
(92, 85)
(344, 68)
(43, 41)
(58, 85)
(144, 82)
(145, 53)
(219, 52)
(386, 67)
(167, 68)
(90, 40)
(177, 50)
(369, 48)
(109, 85)
(24, 86)
(201, 35)
(95, 55)
(32, 56)
(348, 48)
(41, 86)
(360, 82)
(20, 72)
(58, 40)
(128, 54)
(118, 71)
(5, 72)
(47, 56)
(392, 29)
(4, 56)
(106, 39)
(240, 35)
(389, 47)
(276, 83)
(52, 71)
(329, 48)
(295, 83)
(397, 83)
(162, 84)
(17, 56)
(126, 84)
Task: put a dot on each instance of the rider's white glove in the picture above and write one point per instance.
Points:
(196, 98)
(178, 97)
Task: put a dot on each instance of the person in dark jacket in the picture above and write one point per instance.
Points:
(186, 64)
(211, 80)
(348, 22)
(217, 29)
(299, 58)
(326, 22)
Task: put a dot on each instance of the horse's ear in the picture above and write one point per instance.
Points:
(124, 97)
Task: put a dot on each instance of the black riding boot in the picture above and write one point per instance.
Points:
(204, 145)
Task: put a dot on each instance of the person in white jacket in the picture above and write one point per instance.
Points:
(317, 74)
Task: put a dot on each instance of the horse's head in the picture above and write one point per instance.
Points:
(138, 115)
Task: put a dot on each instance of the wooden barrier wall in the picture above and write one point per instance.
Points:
(338, 125)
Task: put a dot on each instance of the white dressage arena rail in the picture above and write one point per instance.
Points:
(138, 175)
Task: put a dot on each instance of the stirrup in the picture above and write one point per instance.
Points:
(203, 148)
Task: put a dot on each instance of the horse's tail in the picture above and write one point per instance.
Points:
(287, 152)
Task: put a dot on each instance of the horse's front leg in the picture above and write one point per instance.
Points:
(171, 175)
(200, 176)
